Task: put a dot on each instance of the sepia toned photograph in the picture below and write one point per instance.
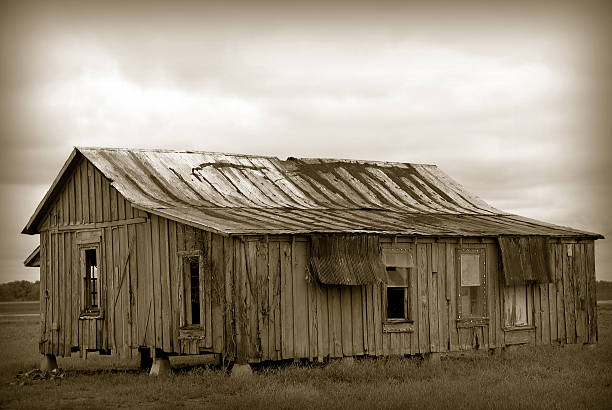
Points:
(322, 205)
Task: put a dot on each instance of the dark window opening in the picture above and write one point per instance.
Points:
(396, 303)
(92, 287)
(194, 274)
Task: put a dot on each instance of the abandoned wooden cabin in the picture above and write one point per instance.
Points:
(259, 259)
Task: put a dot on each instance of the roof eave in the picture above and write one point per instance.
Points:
(31, 226)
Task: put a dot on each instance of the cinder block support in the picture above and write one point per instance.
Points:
(242, 370)
(161, 365)
(48, 363)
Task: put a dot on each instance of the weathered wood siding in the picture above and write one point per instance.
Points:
(259, 301)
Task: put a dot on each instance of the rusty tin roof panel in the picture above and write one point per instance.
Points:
(244, 194)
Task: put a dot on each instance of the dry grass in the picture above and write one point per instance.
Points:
(568, 377)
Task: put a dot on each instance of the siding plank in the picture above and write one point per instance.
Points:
(452, 289)
(286, 300)
(300, 300)
(569, 293)
(357, 320)
(423, 317)
(347, 329)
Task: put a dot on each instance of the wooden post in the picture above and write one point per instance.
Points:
(48, 363)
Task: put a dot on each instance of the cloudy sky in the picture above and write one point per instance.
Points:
(513, 100)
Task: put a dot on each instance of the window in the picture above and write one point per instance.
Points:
(517, 306)
(194, 289)
(397, 292)
(471, 283)
(91, 293)
(191, 288)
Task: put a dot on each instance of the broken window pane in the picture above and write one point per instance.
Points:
(401, 258)
(470, 269)
(396, 303)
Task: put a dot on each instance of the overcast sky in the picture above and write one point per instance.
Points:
(513, 101)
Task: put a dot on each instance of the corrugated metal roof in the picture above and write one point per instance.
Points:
(247, 194)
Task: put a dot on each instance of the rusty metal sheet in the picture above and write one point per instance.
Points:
(247, 194)
(352, 260)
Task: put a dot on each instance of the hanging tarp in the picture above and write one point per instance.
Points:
(525, 259)
(352, 259)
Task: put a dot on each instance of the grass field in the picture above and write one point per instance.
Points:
(552, 377)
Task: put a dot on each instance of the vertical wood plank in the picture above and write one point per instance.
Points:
(356, 320)
(143, 278)
(581, 295)
(286, 300)
(78, 200)
(61, 295)
(263, 306)
(300, 300)
(91, 187)
(165, 288)
(552, 296)
(323, 323)
(254, 343)
(274, 333)
(85, 191)
(98, 194)
(218, 292)
(432, 302)
(72, 199)
(378, 318)
(569, 293)
(560, 261)
(591, 292)
(537, 312)
(370, 319)
(132, 288)
(347, 328)
(43, 293)
(423, 324)
(241, 307)
(157, 284)
(230, 297)
(336, 302)
(442, 304)
(67, 301)
(545, 313)
(76, 288)
(452, 289)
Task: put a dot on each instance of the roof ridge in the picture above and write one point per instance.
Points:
(168, 150)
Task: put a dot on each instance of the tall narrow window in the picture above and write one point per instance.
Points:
(194, 275)
(91, 280)
(397, 293)
(472, 283)
(191, 290)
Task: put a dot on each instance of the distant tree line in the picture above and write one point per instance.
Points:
(19, 290)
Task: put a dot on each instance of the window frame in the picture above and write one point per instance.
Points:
(86, 311)
(472, 319)
(184, 258)
(529, 303)
(408, 314)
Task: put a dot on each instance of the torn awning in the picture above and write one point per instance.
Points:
(525, 259)
(347, 259)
